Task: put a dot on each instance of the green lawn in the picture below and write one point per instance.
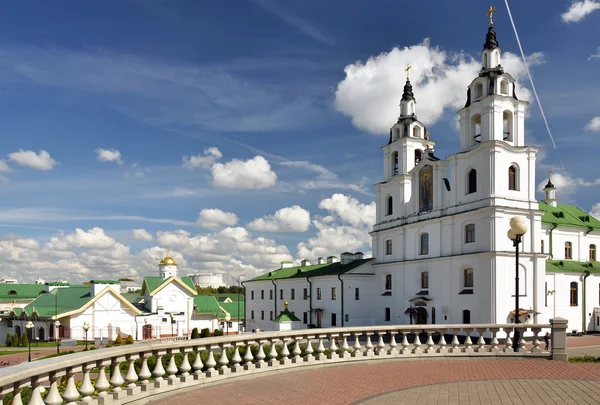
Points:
(49, 344)
(5, 352)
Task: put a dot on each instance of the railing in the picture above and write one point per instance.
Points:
(137, 374)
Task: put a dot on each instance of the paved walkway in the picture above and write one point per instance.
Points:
(477, 380)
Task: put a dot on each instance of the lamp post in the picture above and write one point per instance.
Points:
(86, 327)
(172, 316)
(227, 319)
(518, 228)
(57, 324)
(29, 327)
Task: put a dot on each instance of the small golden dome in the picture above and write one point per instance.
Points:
(168, 261)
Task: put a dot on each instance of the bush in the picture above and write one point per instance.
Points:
(195, 334)
(15, 340)
(119, 340)
(218, 332)
(8, 340)
(129, 340)
(205, 332)
(24, 340)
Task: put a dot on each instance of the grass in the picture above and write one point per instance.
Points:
(584, 359)
(5, 352)
(48, 344)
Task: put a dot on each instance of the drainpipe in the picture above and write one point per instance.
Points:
(275, 297)
(310, 308)
(245, 306)
(342, 297)
(590, 229)
(583, 316)
(554, 226)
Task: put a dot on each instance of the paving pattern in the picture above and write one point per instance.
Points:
(423, 381)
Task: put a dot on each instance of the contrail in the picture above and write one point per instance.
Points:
(533, 87)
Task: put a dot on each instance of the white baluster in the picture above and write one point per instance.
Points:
(172, 366)
(197, 365)
(70, 394)
(248, 356)
(320, 349)
(521, 340)
(272, 353)
(468, 342)
(333, 346)
(494, 342)
(145, 373)
(417, 344)
(442, 345)
(236, 359)
(455, 342)
(357, 347)
(508, 343)
(210, 362)
(260, 356)
(296, 351)
(309, 350)
(36, 395)
(393, 343)
(86, 389)
(223, 360)
(159, 369)
(116, 379)
(53, 397)
(481, 343)
(345, 346)
(405, 344)
(429, 343)
(380, 343)
(131, 377)
(368, 345)
(17, 400)
(285, 353)
(185, 367)
(536, 342)
(102, 384)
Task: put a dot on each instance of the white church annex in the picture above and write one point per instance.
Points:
(440, 248)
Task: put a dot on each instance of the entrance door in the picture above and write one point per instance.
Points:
(147, 332)
(319, 319)
(334, 319)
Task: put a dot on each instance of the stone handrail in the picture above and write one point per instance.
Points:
(209, 360)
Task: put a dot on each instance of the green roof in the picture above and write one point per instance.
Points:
(54, 283)
(235, 309)
(286, 316)
(572, 266)
(318, 270)
(105, 281)
(568, 215)
(134, 298)
(20, 291)
(206, 304)
(153, 283)
(59, 300)
(223, 296)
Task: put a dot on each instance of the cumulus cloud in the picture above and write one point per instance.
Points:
(567, 185)
(210, 157)
(594, 124)
(213, 218)
(109, 155)
(596, 210)
(254, 173)
(94, 238)
(350, 210)
(141, 234)
(371, 91)
(4, 167)
(290, 219)
(579, 10)
(37, 161)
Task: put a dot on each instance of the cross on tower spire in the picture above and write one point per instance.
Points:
(407, 70)
(490, 13)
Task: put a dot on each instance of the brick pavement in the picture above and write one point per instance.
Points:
(353, 383)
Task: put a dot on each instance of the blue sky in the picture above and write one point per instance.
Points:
(151, 111)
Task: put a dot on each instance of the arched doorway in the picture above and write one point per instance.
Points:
(41, 333)
(18, 331)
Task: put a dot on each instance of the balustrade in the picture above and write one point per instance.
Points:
(137, 371)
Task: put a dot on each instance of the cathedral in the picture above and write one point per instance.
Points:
(441, 254)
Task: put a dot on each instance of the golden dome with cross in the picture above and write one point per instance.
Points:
(168, 261)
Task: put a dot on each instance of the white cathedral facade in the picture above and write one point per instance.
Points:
(440, 248)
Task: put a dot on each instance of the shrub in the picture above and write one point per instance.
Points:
(129, 340)
(8, 340)
(15, 340)
(205, 332)
(195, 334)
(24, 340)
(119, 340)
(218, 332)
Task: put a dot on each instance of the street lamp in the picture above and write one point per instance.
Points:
(57, 324)
(86, 327)
(172, 315)
(518, 228)
(29, 327)
(227, 319)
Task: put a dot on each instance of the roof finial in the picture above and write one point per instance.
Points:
(407, 70)
(285, 304)
(490, 14)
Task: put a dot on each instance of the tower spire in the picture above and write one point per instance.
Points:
(550, 191)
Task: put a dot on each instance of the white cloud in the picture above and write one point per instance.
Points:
(326, 179)
(579, 10)
(596, 210)
(213, 218)
(211, 155)
(594, 124)
(4, 167)
(290, 219)
(141, 234)
(371, 91)
(37, 161)
(595, 55)
(567, 185)
(350, 210)
(254, 173)
(109, 155)
(94, 238)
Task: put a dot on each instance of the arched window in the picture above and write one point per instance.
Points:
(418, 156)
(568, 250)
(504, 87)
(425, 280)
(424, 248)
(512, 178)
(476, 128)
(479, 89)
(468, 278)
(472, 181)
(466, 316)
(416, 131)
(394, 163)
(426, 188)
(390, 205)
(573, 298)
(507, 126)
(396, 133)
(470, 233)
(388, 247)
(592, 253)
(388, 314)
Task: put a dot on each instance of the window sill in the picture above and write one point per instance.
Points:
(466, 291)
(387, 294)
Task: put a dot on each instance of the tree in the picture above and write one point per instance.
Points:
(218, 332)
(205, 332)
(24, 340)
(119, 340)
(15, 340)
(195, 334)
(129, 340)
(222, 290)
(125, 279)
(8, 340)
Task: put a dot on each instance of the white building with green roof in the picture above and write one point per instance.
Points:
(440, 248)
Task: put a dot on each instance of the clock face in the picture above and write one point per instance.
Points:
(173, 297)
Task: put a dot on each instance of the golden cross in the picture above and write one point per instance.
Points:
(490, 12)
(407, 70)
(549, 173)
